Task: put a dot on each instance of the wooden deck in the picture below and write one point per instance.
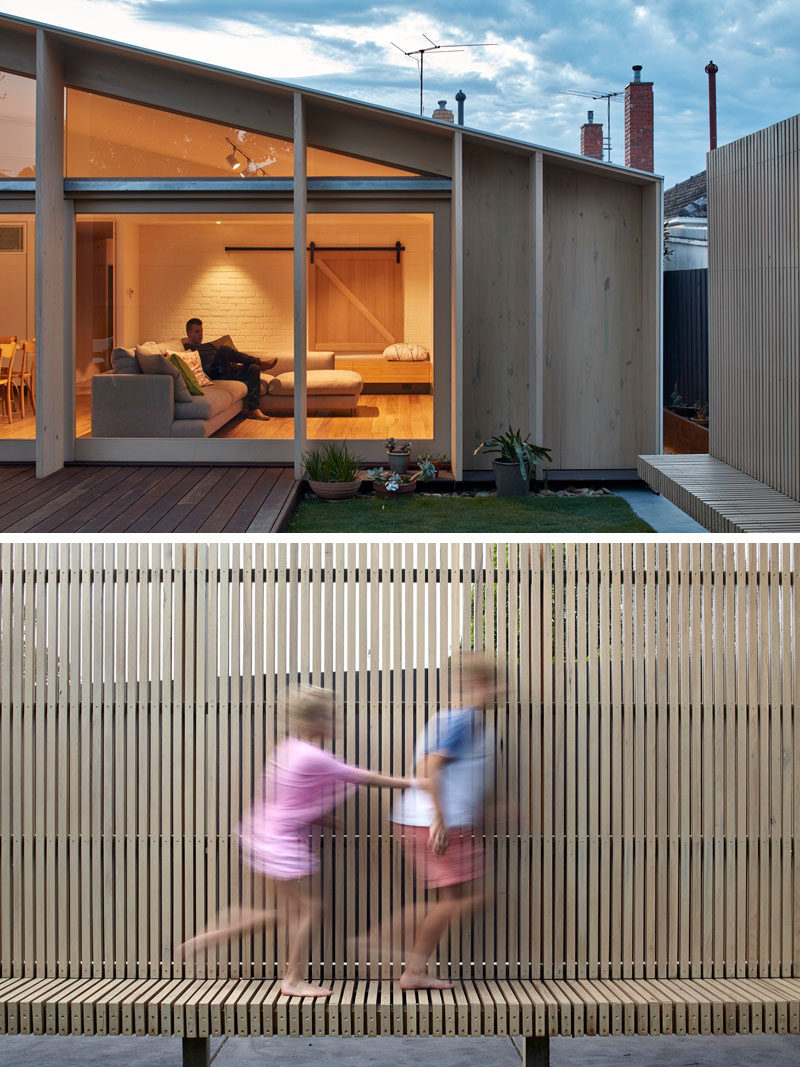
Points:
(85, 498)
(720, 497)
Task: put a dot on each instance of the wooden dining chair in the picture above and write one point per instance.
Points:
(26, 376)
(10, 366)
(7, 340)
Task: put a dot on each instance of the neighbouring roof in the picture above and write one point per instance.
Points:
(688, 198)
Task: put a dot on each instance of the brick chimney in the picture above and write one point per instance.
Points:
(592, 137)
(639, 122)
(443, 113)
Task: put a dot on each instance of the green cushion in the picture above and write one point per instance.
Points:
(187, 375)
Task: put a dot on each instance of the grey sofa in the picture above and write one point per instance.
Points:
(127, 403)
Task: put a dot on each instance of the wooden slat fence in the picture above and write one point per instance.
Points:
(754, 304)
(647, 749)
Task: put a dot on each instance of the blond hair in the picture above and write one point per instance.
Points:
(307, 707)
(475, 667)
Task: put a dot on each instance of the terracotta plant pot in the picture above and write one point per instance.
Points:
(508, 480)
(335, 490)
(402, 490)
(398, 462)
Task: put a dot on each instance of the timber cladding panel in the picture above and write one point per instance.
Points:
(497, 279)
(599, 407)
(754, 305)
(647, 750)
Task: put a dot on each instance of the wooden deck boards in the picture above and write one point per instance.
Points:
(720, 497)
(108, 498)
(476, 1008)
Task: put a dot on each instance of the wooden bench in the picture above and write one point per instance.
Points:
(643, 881)
(383, 375)
(197, 1010)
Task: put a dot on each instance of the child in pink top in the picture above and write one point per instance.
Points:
(303, 784)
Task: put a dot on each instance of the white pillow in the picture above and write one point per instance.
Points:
(405, 350)
(195, 365)
(151, 348)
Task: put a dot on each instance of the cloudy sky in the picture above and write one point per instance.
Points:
(519, 86)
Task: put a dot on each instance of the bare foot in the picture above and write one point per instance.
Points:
(409, 980)
(303, 989)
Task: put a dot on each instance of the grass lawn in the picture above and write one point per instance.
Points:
(423, 513)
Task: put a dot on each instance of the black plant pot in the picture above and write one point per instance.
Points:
(508, 479)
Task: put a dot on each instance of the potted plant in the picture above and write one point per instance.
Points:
(332, 472)
(516, 462)
(680, 405)
(438, 459)
(399, 453)
(390, 483)
(700, 413)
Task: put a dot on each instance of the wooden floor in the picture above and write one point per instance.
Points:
(720, 497)
(147, 499)
(378, 415)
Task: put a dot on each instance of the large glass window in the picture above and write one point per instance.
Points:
(17, 329)
(17, 126)
(116, 139)
(140, 277)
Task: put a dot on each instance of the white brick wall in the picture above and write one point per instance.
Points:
(184, 271)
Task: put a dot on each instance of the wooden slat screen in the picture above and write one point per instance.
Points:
(647, 749)
(754, 304)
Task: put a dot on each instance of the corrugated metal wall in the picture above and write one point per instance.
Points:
(686, 335)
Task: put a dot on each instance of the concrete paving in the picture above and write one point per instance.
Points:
(766, 1050)
(661, 513)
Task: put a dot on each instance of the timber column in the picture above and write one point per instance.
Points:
(50, 231)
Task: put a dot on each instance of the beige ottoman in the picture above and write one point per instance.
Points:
(333, 392)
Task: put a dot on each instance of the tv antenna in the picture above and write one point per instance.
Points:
(598, 96)
(418, 55)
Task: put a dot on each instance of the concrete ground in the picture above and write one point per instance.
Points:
(764, 1050)
(661, 513)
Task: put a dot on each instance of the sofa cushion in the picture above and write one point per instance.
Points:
(214, 401)
(156, 363)
(123, 361)
(174, 344)
(151, 348)
(405, 350)
(186, 373)
(235, 389)
(195, 365)
(319, 383)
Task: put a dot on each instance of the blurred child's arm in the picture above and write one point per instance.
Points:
(430, 766)
(387, 781)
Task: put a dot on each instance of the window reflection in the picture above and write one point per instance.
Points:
(117, 139)
(17, 126)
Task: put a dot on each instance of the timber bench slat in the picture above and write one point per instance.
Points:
(203, 1007)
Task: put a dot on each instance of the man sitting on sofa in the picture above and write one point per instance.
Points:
(226, 362)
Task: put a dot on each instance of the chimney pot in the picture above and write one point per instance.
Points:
(590, 117)
(639, 123)
(443, 113)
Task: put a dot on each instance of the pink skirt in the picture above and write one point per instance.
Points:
(282, 856)
(462, 861)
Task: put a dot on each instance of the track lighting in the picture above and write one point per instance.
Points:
(238, 156)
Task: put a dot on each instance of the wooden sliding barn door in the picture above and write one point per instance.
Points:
(355, 301)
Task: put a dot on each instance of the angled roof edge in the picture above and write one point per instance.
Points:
(344, 103)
